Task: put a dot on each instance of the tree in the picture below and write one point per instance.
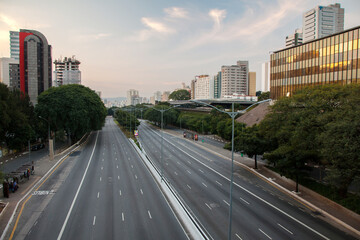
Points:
(73, 108)
(264, 96)
(181, 94)
(170, 116)
(250, 142)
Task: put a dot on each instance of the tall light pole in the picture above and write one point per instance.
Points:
(162, 136)
(50, 152)
(232, 114)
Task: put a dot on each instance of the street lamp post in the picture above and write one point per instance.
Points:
(162, 137)
(50, 152)
(232, 114)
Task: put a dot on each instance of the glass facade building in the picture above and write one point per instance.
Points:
(328, 60)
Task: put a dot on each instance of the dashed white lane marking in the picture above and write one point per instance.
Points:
(135, 176)
(167, 164)
(244, 201)
(98, 195)
(204, 184)
(176, 173)
(201, 170)
(188, 186)
(102, 168)
(94, 220)
(264, 233)
(189, 162)
(290, 203)
(188, 171)
(100, 179)
(132, 166)
(117, 166)
(6, 160)
(129, 159)
(178, 163)
(226, 202)
(115, 158)
(141, 191)
(120, 192)
(122, 217)
(285, 229)
(208, 206)
(118, 177)
(238, 236)
(102, 160)
(218, 183)
(272, 194)
(149, 214)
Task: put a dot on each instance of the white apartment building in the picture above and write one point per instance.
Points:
(9, 71)
(234, 79)
(204, 87)
(132, 97)
(67, 71)
(265, 77)
(294, 39)
(322, 21)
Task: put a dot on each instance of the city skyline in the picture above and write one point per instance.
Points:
(158, 45)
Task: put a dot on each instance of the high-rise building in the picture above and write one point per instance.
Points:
(132, 97)
(9, 72)
(165, 96)
(35, 62)
(265, 77)
(322, 21)
(234, 79)
(192, 86)
(294, 39)
(14, 45)
(67, 71)
(157, 96)
(217, 85)
(252, 84)
(204, 87)
(334, 59)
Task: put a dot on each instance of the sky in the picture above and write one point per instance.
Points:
(157, 45)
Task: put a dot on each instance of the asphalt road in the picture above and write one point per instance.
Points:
(260, 210)
(102, 191)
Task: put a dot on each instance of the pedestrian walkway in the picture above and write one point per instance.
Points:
(41, 167)
(330, 211)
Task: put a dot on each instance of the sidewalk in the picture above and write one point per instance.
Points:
(41, 166)
(330, 211)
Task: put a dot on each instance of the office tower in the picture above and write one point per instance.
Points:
(333, 59)
(132, 97)
(204, 87)
(165, 96)
(322, 21)
(234, 79)
(14, 45)
(67, 71)
(217, 85)
(294, 39)
(192, 86)
(35, 62)
(252, 84)
(265, 77)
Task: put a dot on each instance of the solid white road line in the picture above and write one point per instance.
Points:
(94, 220)
(285, 229)
(264, 233)
(77, 192)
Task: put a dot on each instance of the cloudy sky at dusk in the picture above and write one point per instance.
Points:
(158, 44)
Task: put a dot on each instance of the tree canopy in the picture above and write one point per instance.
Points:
(73, 108)
(181, 94)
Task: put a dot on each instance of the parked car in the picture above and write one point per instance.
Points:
(37, 147)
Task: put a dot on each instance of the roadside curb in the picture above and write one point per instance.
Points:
(6, 204)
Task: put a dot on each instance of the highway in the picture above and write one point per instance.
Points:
(102, 191)
(260, 210)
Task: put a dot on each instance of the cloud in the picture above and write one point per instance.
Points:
(156, 26)
(217, 15)
(92, 37)
(176, 12)
(11, 23)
